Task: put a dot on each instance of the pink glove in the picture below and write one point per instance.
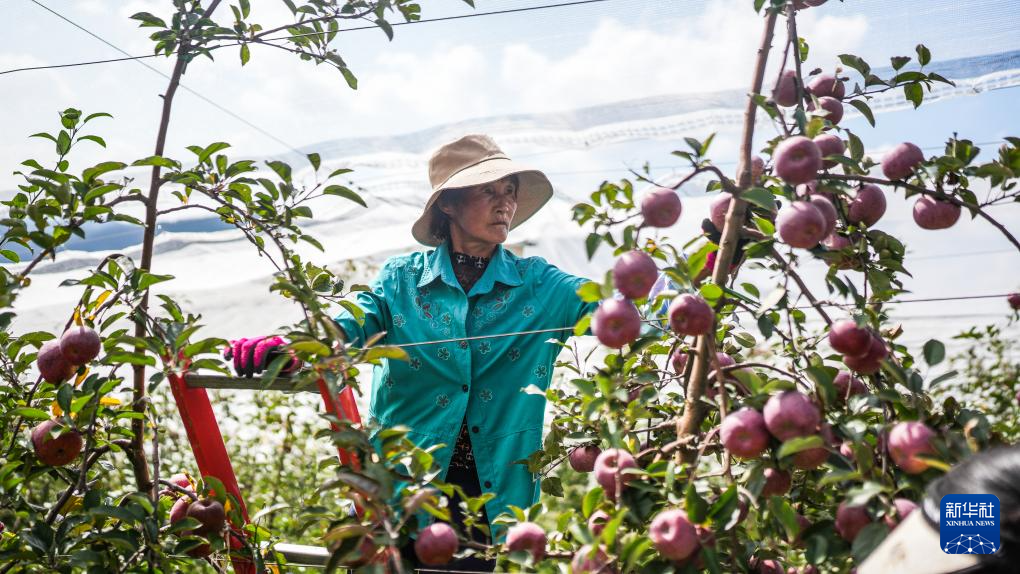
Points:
(253, 355)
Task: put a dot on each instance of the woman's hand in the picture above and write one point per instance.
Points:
(253, 355)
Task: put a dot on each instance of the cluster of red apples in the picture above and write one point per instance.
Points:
(617, 322)
(209, 512)
(799, 159)
(57, 361)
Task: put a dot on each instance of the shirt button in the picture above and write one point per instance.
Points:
(464, 388)
(474, 429)
(488, 484)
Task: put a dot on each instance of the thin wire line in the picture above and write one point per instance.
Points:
(441, 19)
(161, 73)
(655, 322)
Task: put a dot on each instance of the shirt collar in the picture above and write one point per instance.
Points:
(501, 268)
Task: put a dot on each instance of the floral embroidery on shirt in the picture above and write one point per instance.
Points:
(514, 354)
(528, 311)
(484, 348)
(540, 371)
(442, 401)
(491, 307)
(485, 395)
(462, 344)
(389, 382)
(443, 353)
(415, 363)
(399, 321)
(446, 319)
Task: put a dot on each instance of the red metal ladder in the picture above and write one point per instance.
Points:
(207, 441)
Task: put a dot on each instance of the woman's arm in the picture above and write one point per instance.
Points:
(376, 311)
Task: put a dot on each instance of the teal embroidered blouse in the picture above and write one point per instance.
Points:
(417, 298)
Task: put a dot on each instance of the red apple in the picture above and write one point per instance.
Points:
(801, 224)
(210, 513)
(902, 508)
(930, 213)
(901, 160)
(1014, 301)
(527, 536)
(59, 450)
(80, 344)
(867, 206)
(846, 337)
(785, 92)
(582, 458)
(673, 534)
(836, 242)
(597, 521)
(766, 566)
(690, 315)
(777, 482)
(797, 160)
(850, 520)
(828, 211)
(661, 207)
(825, 85)
(870, 362)
(597, 563)
(832, 107)
(743, 433)
(611, 462)
(634, 274)
(718, 208)
(180, 509)
(52, 364)
(757, 169)
(436, 544)
(829, 145)
(907, 441)
(616, 323)
(847, 385)
(791, 414)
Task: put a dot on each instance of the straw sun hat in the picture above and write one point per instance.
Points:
(475, 160)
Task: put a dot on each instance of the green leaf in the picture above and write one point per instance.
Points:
(31, 413)
(914, 93)
(90, 117)
(865, 110)
(348, 75)
(592, 243)
(156, 160)
(856, 63)
(345, 193)
(795, 445)
(92, 138)
(759, 196)
(315, 160)
(590, 292)
(386, 352)
(868, 539)
(99, 169)
(388, 29)
(923, 54)
(148, 20)
(696, 506)
(245, 54)
(10, 255)
(552, 486)
(311, 346)
(899, 61)
(934, 352)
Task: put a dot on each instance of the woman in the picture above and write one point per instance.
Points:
(467, 393)
(915, 546)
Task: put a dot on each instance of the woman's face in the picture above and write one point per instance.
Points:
(484, 213)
